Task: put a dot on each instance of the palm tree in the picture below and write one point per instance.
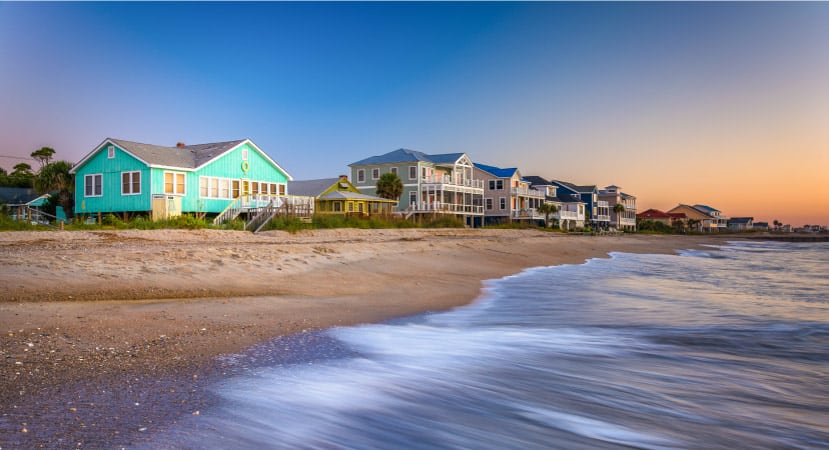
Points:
(619, 208)
(547, 209)
(56, 177)
(389, 186)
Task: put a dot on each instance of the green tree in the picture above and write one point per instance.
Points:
(547, 209)
(389, 186)
(56, 177)
(43, 156)
(22, 169)
(21, 176)
(618, 208)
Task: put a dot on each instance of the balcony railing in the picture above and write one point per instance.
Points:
(451, 208)
(602, 218)
(569, 215)
(451, 181)
(527, 192)
(527, 213)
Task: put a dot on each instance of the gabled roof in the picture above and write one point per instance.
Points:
(497, 171)
(537, 181)
(346, 195)
(741, 220)
(653, 214)
(706, 209)
(581, 189)
(311, 188)
(568, 198)
(408, 155)
(188, 157)
(399, 155)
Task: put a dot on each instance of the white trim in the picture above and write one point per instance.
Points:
(99, 148)
(410, 172)
(255, 147)
(361, 175)
(502, 203)
(373, 171)
(101, 176)
(131, 181)
(110, 152)
(394, 170)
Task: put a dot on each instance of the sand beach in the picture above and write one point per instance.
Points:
(105, 335)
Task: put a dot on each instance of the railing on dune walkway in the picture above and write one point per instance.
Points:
(264, 215)
(231, 212)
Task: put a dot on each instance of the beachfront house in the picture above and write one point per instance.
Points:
(719, 221)
(741, 223)
(625, 219)
(598, 212)
(507, 196)
(442, 184)
(695, 219)
(571, 210)
(131, 178)
(340, 197)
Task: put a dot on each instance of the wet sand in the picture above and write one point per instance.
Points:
(109, 336)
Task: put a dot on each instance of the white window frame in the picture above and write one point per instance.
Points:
(412, 172)
(100, 184)
(131, 174)
(244, 154)
(393, 170)
(502, 203)
(499, 185)
(111, 152)
(489, 204)
(361, 176)
(491, 185)
(375, 173)
(413, 198)
(175, 185)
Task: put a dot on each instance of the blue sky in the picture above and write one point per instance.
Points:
(675, 102)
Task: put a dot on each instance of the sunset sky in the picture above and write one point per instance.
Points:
(725, 104)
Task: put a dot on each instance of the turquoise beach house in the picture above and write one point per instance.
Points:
(130, 178)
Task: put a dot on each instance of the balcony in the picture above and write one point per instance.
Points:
(445, 208)
(528, 214)
(602, 218)
(535, 193)
(570, 215)
(448, 181)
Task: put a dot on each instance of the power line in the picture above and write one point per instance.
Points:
(17, 157)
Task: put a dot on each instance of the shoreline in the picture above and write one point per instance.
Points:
(140, 359)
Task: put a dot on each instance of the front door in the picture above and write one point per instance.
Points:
(245, 193)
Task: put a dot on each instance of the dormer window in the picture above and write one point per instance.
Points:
(111, 152)
(244, 154)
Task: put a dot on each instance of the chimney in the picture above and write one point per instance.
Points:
(180, 144)
(343, 177)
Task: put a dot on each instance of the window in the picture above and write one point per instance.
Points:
(338, 206)
(350, 206)
(111, 152)
(499, 184)
(361, 175)
(236, 189)
(413, 198)
(491, 185)
(254, 188)
(174, 183)
(423, 172)
(224, 188)
(93, 185)
(375, 174)
(360, 207)
(130, 183)
(503, 202)
(281, 189)
(244, 154)
(394, 170)
(412, 172)
(489, 203)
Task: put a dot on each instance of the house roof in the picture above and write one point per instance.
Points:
(654, 214)
(408, 155)
(184, 157)
(188, 156)
(706, 209)
(399, 155)
(17, 196)
(677, 215)
(497, 171)
(568, 198)
(581, 189)
(345, 195)
(741, 220)
(310, 188)
(537, 181)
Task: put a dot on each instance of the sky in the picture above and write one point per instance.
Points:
(724, 104)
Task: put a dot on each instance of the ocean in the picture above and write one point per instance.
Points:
(726, 347)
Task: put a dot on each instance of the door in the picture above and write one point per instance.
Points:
(245, 192)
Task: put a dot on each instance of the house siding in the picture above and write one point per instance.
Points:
(111, 169)
(369, 185)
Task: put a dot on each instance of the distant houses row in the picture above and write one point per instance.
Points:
(226, 180)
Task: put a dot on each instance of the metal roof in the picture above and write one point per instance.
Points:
(408, 155)
(497, 171)
(537, 181)
(17, 196)
(310, 188)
